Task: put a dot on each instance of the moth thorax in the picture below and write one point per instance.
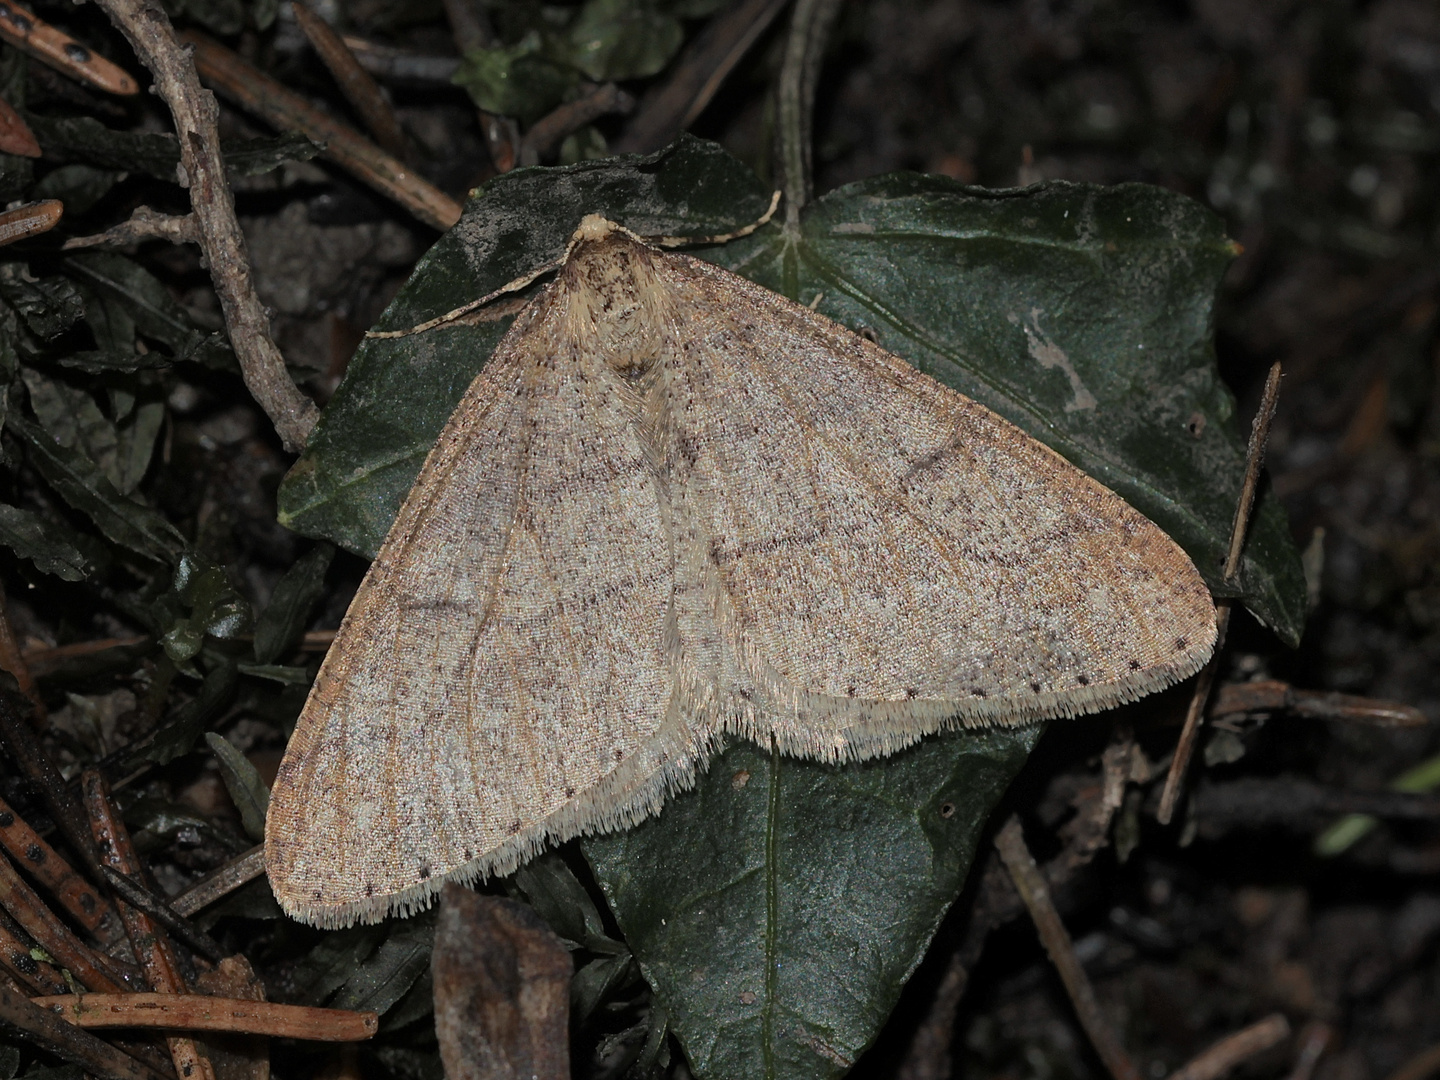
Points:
(615, 293)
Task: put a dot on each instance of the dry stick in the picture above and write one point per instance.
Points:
(1031, 886)
(221, 882)
(15, 135)
(255, 91)
(63, 1039)
(402, 65)
(16, 955)
(76, 895)
(1254, 461)
(550, 130)
(62, 52)
(144, 224)
(11, 658)
(199, 1012)
(151, 947)
(1272, 695)
(202, 170)
(673, 105)
(1234, 1049)
(31, 220)
(91, 969)
(354, 81)
(136, 895)
(28, 753)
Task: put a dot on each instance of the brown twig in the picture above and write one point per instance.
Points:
(354, 81)
(63, 1039)
(30, 220)
(547, 133)
(255, 91)
(143, 224)
(221, 882)
(199, 1012)
(136, 895)
(62, 52)
(28, 753)
(401, 65)
(91, 969)
(1315, 1038)
(11, 658)
(1234, 1049)
(1031, 885)
(45, 658)
(16, 955)
(15, 135)
(1271, 695)
(671, 106)
(1254, 462)
(76, 895)
(202, 170)
(151, 947)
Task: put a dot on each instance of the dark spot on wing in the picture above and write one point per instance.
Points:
(1035, 686)
(1083, 680)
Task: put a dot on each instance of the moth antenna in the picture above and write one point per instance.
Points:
(465, 309)
(720, 238)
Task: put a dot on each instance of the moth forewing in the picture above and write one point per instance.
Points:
(675, 505)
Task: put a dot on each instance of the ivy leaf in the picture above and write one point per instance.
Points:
(622, 39)
(515, 80)
(247, 790)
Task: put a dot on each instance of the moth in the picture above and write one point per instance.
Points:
(676, 507)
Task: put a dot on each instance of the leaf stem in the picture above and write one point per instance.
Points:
(810, 27)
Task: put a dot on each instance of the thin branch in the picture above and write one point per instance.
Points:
(550, 131)
(32, 220)
(152, 948)
(136, 895)
(1254, 462)
(63, 1039)
(1271, 695)
(199, 1012)
(359, 88)
(671, 106)
(1235, 1049)
(202, 170)
(256, 92)
(62, 52)
(81, 900)
(1031, 886)
(221, 882)
(143, 224)
(91, 969)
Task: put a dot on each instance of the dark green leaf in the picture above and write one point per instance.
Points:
(383, 419)
(178, 735)
(419, 1001)
(33, 538)
(515, 80)
(157, 823)
(597, 981)
(216, 609)
(252, 157)
(333, 961)
(557, 896)
(79, 187)
(284, 619)
(779, 907)
(247, 790)
(147, 301)
(103, 361)
(85, 139)
(621, 39)
(79, 481)
(135, 444)
(253, 901)
(49, 306)
(73, 419)
(386, 975)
